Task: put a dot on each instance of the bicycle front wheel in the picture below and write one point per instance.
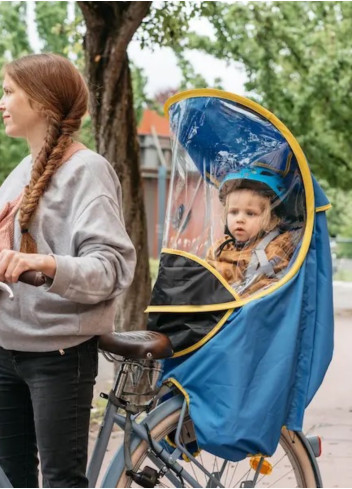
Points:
(291, 465)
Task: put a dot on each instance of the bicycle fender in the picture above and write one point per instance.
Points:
(312, 457)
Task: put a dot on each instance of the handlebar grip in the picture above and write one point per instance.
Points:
(32, 278)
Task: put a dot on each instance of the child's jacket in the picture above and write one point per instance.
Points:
(232, 263)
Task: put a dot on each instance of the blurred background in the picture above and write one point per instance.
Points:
(291, 57)
(294, 58)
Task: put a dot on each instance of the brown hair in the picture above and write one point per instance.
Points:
(53, 84)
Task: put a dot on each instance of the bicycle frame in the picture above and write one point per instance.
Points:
(140, 432)
(164, 460)
(157, 453)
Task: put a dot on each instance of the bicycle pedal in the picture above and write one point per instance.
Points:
(148, 477)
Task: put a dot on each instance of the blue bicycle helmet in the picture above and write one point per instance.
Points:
(263, 175)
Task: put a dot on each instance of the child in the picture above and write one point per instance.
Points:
(253, 253)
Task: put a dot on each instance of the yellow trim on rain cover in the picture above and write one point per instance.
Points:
(179, 387)
(302, 164)
(206, 265)
(199, 308)
(323, 208)
(185, 394)
(205, 338)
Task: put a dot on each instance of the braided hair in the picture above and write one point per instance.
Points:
(56, 87)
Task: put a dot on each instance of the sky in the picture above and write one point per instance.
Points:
(161, 69)
(160, 65)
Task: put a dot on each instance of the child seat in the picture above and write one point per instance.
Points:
(247, 358)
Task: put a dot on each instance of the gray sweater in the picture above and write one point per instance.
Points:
(79, 221)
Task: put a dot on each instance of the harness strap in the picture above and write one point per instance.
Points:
(259, 262)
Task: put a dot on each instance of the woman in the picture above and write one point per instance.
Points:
(60, 212)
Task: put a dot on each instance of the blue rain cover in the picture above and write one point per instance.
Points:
(220, 136)
(264, 366)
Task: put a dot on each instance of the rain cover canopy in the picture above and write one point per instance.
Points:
(238, 214)
(244, 288)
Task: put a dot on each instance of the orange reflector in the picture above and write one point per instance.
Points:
(266, 467)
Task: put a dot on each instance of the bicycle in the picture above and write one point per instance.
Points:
(145, 459)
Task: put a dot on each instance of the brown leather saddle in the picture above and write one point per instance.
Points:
(137, 345)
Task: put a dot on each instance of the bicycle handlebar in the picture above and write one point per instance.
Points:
(32, 278)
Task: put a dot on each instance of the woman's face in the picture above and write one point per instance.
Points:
(21, 119)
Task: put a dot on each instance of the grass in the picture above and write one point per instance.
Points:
(97, 411)
(343, 275)
(153, 266)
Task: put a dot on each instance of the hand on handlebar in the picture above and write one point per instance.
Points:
(30, 277)
(28, 268)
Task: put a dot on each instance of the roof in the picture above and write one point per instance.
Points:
(151, 119)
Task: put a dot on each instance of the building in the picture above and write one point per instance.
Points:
(155, 163)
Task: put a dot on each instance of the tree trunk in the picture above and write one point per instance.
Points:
(110, 27)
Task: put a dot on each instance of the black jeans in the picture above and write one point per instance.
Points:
(45, 402)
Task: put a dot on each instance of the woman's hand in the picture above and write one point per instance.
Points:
(13, 263)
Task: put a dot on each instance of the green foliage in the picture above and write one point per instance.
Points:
(13, 43)
(297, 58)
(140, 98)
(13, 40)
(343, 275)
(12, 151)
(154, 268)
(86, 135)
(339, 216)
(344, 250)
(167, 24)
(60, 34)
(52, 29)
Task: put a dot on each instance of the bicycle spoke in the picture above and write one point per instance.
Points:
(291, 466)
(280, 479)
(244, 477)
(194, 472)
(233, 475)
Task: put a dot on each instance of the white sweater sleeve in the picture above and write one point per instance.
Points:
(104, 261)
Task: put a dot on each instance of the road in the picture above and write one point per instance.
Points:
(330, 413)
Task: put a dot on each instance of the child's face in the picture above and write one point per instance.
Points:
(248, 213)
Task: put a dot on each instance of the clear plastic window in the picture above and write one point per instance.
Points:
(236, 197)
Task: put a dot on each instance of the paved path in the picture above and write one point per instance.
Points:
(330, 412)
(342, 296)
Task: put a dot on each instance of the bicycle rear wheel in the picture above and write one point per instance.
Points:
(292, 465)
